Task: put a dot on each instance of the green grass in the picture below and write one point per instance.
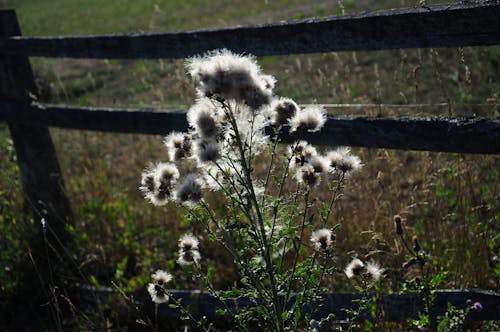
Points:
(56, 17)
(70, 17)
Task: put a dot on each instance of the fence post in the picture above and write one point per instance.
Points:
(43, 185)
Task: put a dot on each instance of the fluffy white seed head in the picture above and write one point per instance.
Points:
(322, 239)
(158, 293)
(204, 118)
(310, 119)
(374, 271)
(157, 182)
(206, 151)
(188, 242)
(231, 76)
(342, 161)
(179, 145)
(161, 277)
(284, 109)
(354, 268)
(300, 153)
(189, 190)
(188, 257)
(156, 289)
(166, 175)
(306, 175)
(320, 164)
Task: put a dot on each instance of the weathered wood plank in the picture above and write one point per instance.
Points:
(395, 307)
(42, 180)
(99, 119)
(466, 135)
(459, 24)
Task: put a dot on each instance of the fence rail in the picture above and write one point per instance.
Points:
(460, 24)
(393, 307)
(466, 135)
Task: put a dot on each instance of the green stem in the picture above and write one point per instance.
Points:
(260, 219)
(334, 198)
(295, 259)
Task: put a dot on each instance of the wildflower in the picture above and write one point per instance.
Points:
(477, 306)
(188, 257)
(301, 152)
(397, 224)
(161, 277)
(202, 117)
(320, 164)
(343, 161)
(373, 271)
(189, 189)
(165, 177)
(156, 289)
(206, 150)
(307, 175)
(158, 181)
(354, 268)
(322, 239)
(310, 119)
(188, 250)
(231, 76)
(158, 293)
(284, 109)
(188, 242)
(178, 145)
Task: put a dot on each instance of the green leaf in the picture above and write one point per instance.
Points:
(298, 314)
(438, 279)
(220, 312)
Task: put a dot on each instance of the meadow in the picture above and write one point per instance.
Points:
(449, 201)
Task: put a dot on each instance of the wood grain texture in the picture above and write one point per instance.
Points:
(459, 24)
(466, 135)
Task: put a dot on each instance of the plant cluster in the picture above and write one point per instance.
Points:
(277, 223)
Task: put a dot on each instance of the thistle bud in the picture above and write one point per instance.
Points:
(397, 224)
(416, 245)
(409, 264)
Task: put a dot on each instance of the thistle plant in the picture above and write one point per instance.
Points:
(278, 221)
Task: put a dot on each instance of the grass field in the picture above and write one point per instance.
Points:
(450, 201)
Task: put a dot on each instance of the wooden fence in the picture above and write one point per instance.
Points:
(454, 25)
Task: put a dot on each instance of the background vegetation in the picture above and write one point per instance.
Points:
(450, 201)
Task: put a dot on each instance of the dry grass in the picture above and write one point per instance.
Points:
(407, 183)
